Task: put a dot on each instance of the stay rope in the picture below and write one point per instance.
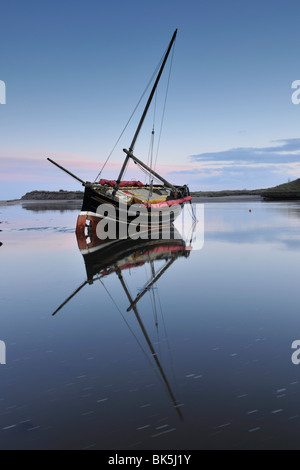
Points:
(165, 103)
(130, 117)
(151, 150)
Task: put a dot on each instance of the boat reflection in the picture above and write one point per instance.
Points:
(115, 257)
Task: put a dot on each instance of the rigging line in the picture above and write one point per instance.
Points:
(154, 307)
(151, 149)
(152, 293)
(127, 324)
(167, 341)
(192, 212)
(150, 156)
(148, 173)
(153, 302)
(165, 103)
(130, 117)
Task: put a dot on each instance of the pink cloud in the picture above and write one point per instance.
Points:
(18, 168)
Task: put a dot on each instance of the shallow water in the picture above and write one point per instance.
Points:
(221, 321)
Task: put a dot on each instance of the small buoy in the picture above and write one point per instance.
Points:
(249, 210)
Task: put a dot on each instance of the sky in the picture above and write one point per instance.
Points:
(73, 71)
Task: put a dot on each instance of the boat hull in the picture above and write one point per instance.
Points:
(108, 218)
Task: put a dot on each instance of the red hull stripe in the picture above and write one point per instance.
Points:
(158, 205)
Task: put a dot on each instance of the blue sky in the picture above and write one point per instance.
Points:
(74, 71)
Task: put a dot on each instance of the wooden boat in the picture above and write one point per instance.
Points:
(159, 203)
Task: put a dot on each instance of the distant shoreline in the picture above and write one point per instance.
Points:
(13, 202)
(197, 199)
(283, 192)
(230, 198)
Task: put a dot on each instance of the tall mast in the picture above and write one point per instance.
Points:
(145, 112)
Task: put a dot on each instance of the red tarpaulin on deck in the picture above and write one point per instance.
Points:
(122, 184)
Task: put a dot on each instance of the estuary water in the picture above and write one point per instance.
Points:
(150, 347)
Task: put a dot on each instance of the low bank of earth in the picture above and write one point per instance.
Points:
(286, 191)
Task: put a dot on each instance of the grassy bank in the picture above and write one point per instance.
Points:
(284, 191)
(224, 193)
(52, 195)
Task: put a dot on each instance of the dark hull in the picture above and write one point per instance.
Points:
(92, 200)
(92, 212)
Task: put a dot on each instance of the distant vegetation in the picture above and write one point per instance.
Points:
(289, 190)
(284, 191)
(52, 195)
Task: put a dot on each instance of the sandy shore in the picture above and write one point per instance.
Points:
(10, 203)
(41, 201)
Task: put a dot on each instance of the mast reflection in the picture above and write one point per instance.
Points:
(115, 257)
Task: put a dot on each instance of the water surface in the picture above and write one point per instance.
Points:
(202, 361)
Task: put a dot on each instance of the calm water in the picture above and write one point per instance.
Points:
(221, 321)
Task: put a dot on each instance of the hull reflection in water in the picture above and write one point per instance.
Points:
(104, 258)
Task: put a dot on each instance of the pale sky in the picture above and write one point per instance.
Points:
(74, 70)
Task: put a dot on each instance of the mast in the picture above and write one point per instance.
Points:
(116, 187)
